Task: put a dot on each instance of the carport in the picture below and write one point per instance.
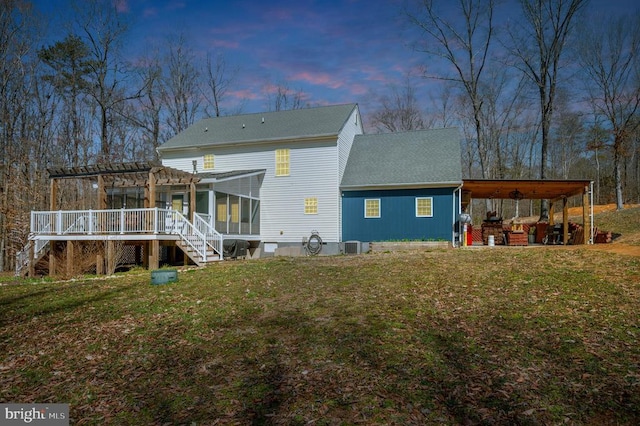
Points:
(556, 191)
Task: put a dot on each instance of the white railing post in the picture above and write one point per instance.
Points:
(59, 222)
(155, 220)
(90, 231)
(121, 221)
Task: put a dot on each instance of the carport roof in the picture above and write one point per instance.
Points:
(529, 189)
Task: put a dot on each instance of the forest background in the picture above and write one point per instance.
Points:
(551, 94)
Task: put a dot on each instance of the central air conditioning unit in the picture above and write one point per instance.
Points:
(352, 247)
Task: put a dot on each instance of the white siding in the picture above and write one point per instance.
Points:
(351, 128)
(313, 173)
(183, 160)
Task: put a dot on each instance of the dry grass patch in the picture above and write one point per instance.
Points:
(523, 336)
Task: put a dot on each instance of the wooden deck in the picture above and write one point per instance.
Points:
(197, 238)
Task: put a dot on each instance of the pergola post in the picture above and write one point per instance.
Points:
(52, 259)
(154, 254)
(70, 259)
(145, 254)
(586, 218)
(100, 261)
(565, 221)
(111, 257)
(192, 201)
(150, 190)
(102, 194)
(53, 195)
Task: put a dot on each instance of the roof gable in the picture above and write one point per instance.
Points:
(416, 158)
(305, 123)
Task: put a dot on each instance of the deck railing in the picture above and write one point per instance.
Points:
(202, 223)
(115, 221)
(128, 221)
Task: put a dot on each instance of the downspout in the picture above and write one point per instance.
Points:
(457, 215)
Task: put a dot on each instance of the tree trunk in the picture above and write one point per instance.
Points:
(617, 170)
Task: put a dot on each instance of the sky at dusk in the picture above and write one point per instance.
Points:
(330, 50)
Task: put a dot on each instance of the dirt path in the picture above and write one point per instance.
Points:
(619, 248)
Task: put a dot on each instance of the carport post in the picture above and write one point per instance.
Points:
(565, 221)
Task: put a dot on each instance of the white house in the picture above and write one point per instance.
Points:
(270, 178)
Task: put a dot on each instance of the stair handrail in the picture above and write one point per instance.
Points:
(214, 238)
(80, 219)
(185, 229)
(23, 256)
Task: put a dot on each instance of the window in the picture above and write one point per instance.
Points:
(311, 205)
(372, 208)
(221, 214)
(208, 162)
(235, 211)
(282, 162)
(424, 207)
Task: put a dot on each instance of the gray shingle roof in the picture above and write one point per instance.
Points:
(248, 128)
(423, 157)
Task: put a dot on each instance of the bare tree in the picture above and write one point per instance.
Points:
(181, 86)
(568, 138)
(611, 65)
(464, 42)
(16, 43)
(399, 110)
(104, 29)
(538, 48)
(219, 78)
(150, 107)
(442, 111)
(281, 97)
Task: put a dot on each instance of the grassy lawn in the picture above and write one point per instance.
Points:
(494, 336)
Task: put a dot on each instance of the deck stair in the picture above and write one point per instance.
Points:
(22, 257)
(198, 240)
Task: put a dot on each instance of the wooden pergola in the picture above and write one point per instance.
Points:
(534, 189)
(147, 175)
(124, 175)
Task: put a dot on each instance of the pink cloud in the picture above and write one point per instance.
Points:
(122, 6)
(245, 94)
(318, 79)
(226, 44)
(358, 89)
(175, 5)
(278, 15)
(150, 12)
(373, 74)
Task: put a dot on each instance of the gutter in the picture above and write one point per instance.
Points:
(314, 138)
(414, 185)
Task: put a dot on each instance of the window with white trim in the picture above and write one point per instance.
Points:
(311, 205)
(424, 207)
(282, 162)
(372, 208)
(208, 163)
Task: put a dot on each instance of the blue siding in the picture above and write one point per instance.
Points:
(398, 219)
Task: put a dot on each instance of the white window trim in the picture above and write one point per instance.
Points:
(424, 198)
(305, 205)
(288, 151)
(204, 161)
(379, 208)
